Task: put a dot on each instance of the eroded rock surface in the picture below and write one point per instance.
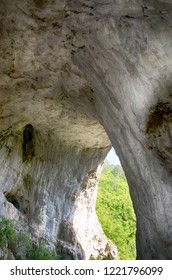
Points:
(81, 73)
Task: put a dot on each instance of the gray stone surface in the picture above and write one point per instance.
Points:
(84, 74)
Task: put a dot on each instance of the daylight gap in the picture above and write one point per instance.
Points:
(114, 207)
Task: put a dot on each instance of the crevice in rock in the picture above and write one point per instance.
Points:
(12, 199)
(18, 201)
(158, 132)
(159, 114)
(28, 143)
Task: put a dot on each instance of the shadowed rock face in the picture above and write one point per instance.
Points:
(85, 74)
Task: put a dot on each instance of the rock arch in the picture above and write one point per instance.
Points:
(86, 75)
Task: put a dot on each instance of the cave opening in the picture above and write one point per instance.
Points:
(12, 199)
(115, 209)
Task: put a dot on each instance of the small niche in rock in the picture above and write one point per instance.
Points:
(12, 199)
(159, 115)
(28, 143)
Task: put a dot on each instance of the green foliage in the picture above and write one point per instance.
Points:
(32, 251)
(22, 245)
(39, 252)
(115, 211)
(7, 233)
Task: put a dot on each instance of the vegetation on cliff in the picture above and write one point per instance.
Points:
(115, 211)
(21, 246)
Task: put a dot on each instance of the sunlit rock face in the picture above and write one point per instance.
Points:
(74, 74)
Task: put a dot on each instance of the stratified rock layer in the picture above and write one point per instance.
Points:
(80, 73)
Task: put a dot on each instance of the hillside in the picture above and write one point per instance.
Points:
(115, 211)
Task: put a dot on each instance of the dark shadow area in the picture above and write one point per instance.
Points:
(11, 198)
(28, 143)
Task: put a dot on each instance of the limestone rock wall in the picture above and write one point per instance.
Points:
(84, 74)
(49, 179)
(53, 193)
(128, 61)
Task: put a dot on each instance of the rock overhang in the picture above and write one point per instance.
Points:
(39, 83)
(65, 123)
(66, 67)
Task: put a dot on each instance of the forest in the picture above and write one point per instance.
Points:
(115, 211)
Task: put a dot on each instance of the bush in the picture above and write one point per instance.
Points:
(22, 246)
(7, 232)
(39, 252)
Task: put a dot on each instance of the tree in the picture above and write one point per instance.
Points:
(115, 211)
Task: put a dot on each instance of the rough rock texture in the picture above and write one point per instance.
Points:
(54, 193)
(73, 70)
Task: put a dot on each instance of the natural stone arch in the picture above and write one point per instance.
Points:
(75, 70)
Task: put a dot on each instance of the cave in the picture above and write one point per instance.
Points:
(82, 76)
(12, 199)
